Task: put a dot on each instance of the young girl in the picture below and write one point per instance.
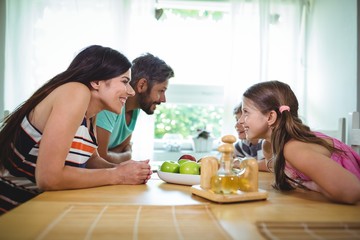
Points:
(301, 157)
(49, 143)
(257, 148)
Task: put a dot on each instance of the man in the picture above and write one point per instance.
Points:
(149, 78)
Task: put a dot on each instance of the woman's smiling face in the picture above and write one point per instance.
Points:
(114, 92)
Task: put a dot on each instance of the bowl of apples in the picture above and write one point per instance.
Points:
(184, 171)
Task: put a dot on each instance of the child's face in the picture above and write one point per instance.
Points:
(254, 122)
(239, 127)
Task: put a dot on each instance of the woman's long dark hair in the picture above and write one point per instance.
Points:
(268, 96)
(92, 63)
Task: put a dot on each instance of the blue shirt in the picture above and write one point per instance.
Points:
(116, 125)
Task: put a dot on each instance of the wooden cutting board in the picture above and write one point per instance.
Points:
(229, 198)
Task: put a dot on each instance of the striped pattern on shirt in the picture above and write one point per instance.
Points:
(23, 164)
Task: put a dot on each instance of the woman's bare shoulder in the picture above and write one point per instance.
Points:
(73, 87)
(71, 93)
(66, 100)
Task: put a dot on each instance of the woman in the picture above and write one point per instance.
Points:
(302, 158)
(49, 143)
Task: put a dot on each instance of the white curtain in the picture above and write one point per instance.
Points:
(19, 49)
(144, 35)
(265, 42)
(42, 38)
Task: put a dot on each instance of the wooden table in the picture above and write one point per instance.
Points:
(239, 220)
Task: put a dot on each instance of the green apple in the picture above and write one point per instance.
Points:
(170, 166)
(190, 167)
(181, 161)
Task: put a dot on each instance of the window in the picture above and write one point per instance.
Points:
(188, 108)
(198, 35)
(187, 119)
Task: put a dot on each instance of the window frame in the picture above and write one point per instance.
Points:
(199, 94)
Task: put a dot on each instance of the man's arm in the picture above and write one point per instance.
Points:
(118, 154)
(95, 161)
(123, 147)
(123, 151)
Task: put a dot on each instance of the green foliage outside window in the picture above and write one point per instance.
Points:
(186, 119)
(185, 13)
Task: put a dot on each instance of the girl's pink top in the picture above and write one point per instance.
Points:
(348, 159)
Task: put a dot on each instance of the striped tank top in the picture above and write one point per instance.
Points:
(18, 183)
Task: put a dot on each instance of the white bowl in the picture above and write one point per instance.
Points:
(177, 178)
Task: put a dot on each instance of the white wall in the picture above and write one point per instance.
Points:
(331, 77)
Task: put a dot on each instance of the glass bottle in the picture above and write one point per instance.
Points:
(248, 179)
(225, 181)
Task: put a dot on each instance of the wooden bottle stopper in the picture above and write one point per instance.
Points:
(228, 139)
(227, 150)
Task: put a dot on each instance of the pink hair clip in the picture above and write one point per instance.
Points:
(284, 108)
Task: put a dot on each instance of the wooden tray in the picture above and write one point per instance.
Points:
(228, 198)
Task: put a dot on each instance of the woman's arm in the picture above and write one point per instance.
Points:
(68, 107)
(335, 182)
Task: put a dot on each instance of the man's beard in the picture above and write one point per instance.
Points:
(145, 103)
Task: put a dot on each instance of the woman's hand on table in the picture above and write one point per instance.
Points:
(132, 172)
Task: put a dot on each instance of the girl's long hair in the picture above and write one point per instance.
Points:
(92, 63)
(268, 96)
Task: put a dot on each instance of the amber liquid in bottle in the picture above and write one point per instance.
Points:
(225, 184)
(225, 181)
(248, 180)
